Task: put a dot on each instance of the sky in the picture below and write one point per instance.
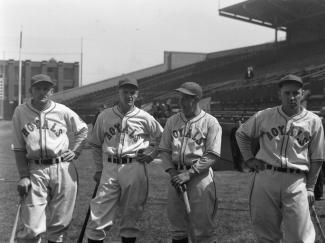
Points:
(119, 36)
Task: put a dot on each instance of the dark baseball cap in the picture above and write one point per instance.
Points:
(128, 81)
(38, 78)
(291, 78)
(190, 88)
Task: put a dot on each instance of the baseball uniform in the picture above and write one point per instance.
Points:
(288, 146)
(188, 142)
(116, 140)
(43, 136)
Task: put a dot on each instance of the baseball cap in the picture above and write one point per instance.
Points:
(190, 88)
(291, 78)
(38, 78)
(129, 81)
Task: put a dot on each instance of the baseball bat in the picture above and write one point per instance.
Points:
(82, 232)
(188, 212)
(14, 229)
(319, 226)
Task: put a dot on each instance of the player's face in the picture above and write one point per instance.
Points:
(187, 103)
(128, 95)
(291, 95)
(41, 92)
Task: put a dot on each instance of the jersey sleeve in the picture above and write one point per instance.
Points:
(18, 139)
(155, 130)
(213, 142)
(165, 146)
(79, 129)
(96, 138)
(166, 138)
(213, 146)
(244, 135)
(316, 146)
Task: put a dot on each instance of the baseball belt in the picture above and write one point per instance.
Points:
(287, 170)
(125, 160)
(184, 167)
(47, 161)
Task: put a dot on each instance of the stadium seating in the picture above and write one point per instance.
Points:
(222, 78)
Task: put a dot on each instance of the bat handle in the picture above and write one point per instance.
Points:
(14, 229)
(186, 202)
(318, 223)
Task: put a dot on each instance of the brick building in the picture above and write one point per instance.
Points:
(65, 76)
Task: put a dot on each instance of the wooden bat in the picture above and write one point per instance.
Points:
(14, 229)
(82, 232)
(319, 226)
(188, 212)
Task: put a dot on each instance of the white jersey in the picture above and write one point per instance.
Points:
(44, 134)
(189, 140)
(123, 135)
(291, 142)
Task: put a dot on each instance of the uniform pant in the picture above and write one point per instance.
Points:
(50, 202)
(203, 202)
(124, 186)
(280, 198)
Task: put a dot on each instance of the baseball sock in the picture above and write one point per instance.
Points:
(128, 240)
(95, 241)
(185, 240)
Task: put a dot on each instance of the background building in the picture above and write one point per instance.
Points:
(64, 75)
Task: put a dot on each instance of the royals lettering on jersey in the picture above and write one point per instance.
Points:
(35, 126)
(188, 140)
(291, 142)
(123, 135)
(197, 137)
(44, 134)
(302, 136)
(117, 129)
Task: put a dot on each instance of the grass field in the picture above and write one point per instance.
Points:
(232, 220)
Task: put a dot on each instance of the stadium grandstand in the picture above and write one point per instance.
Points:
(232, 97)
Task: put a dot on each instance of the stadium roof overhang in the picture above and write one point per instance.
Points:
(277, 14)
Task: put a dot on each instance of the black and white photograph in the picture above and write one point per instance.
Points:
(162, 121)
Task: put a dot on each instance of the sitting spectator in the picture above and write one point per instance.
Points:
(249, 74)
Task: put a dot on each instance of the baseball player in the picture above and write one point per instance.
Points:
(287, 164)
(44, 154)
(190, 144)
(320, 180)
(120, 140)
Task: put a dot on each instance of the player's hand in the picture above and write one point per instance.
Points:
(180, 179)
(311, 198)
(142, 157)
(23, 186)
(255, 164)
(68, 155)
(97, 176)
(172, 172)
